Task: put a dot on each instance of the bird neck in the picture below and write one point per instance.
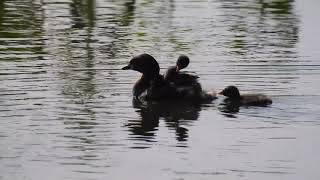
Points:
(150, 77)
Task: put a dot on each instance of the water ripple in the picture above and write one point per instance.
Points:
(66, 107)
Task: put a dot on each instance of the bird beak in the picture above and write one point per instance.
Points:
(177, 69)
(126, 67)
(221, 93)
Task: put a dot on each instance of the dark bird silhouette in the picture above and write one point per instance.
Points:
(234, 96)
(153, 86)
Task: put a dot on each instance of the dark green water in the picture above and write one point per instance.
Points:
(66, 109)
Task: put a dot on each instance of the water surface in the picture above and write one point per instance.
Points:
(66, 109)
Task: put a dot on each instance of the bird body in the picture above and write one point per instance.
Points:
(153, 86)
(234, 96)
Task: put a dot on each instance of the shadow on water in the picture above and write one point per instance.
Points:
(177, 115)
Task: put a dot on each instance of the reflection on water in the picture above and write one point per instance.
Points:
(263, 36)
(66, 110)
(229, 109)
(177, 116)
(20, 30)
(260, 26)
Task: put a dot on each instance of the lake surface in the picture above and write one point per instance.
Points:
(66, 109)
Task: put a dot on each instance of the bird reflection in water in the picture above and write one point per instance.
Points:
(229, 108)
(177, 115)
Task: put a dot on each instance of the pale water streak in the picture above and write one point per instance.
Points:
(66, 110)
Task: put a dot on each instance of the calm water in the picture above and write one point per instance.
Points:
(66, 110)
